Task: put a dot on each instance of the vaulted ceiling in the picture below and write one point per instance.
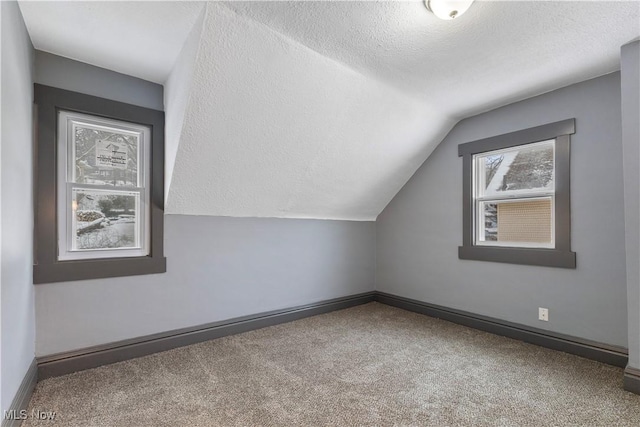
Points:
(325, 109)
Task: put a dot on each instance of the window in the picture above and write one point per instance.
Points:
(516, 202)
(99, 188)
(103, 195)
(514, 196)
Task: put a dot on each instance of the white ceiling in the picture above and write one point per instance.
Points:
(497, 52)
(325, 109)
(141, 39)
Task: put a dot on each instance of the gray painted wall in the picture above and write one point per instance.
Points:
(419, 232)
(630, 72)
(64, 73)
(16, 295)
(217, 268)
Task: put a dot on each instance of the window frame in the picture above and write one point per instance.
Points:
(560, 255)
(49, 102)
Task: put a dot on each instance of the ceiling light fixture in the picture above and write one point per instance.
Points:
(448, 9)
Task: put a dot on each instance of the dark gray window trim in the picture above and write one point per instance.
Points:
(46, 267)
(561, 255)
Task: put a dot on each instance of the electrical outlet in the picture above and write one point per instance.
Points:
(543, 314)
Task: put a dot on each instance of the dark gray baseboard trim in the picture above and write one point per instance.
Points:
(612, 355)
(66, 363)
(13, 418)
(92, 357)
(631, 380)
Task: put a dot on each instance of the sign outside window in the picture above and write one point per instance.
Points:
(111, 154)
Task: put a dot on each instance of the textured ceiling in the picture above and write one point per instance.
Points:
(141, 39)
(273, 128)
(497, 52)
(325, 109)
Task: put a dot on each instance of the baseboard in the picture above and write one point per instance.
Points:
(631, 380)
(612, 355)
(68, 362)
(15, 415)
(92, 357)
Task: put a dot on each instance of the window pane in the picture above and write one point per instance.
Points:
(490, 221)
(105, 157)
(105, 219)
(524, 168)
(491, 165)
(518, 221)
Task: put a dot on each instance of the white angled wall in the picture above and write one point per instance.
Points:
(273, 128)
(177, 90)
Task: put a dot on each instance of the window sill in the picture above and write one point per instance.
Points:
(64, 271)
(526, 256)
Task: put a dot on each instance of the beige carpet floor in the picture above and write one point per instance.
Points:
(367, 365)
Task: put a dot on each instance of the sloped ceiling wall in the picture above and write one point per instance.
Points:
(325, 109)
(177, 91)
(275, 129)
